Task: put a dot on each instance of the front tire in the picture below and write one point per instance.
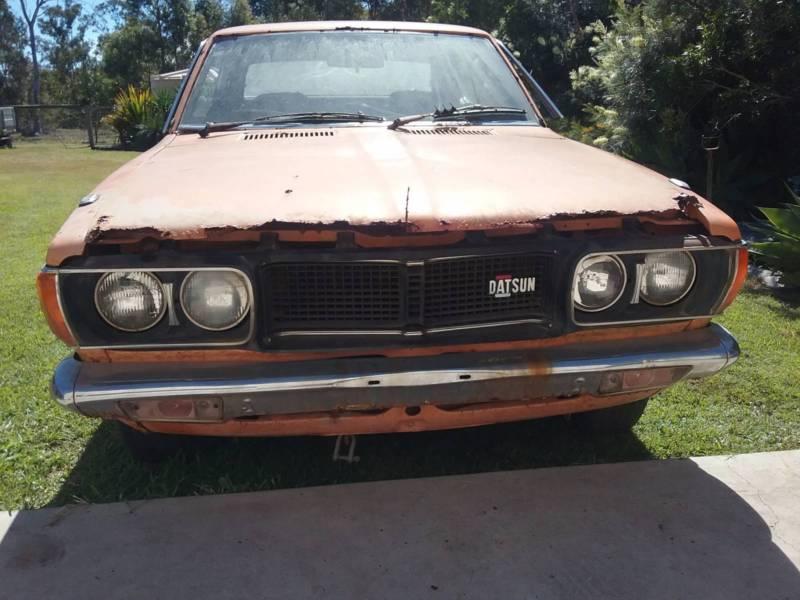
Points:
(616, 419)
(149, 447)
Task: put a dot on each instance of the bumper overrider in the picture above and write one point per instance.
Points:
(373, 395)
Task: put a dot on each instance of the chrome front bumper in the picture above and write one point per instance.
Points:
(97, 389)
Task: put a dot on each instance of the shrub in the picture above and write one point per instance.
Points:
(667, 72)
(138, 116)
(781, 251)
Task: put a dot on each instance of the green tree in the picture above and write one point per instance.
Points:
(131, 54)
(308, 10)
(476, 13)
(165, 23)
(553, 37)
(240, 13)
(31, 11)
(66, 51)
(154, 37)
(668, 72)
(208, 17)
(340, 9)
(399, 10)
(13, 64)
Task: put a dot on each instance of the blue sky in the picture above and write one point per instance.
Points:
(87, 4)
(88, 7)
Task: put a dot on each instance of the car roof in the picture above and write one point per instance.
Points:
(351, 26)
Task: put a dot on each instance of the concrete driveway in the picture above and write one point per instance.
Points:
(721, 527)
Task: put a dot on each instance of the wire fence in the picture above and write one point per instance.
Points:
(73, 125)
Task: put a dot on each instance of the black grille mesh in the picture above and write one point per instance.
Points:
(396, 295)
(457, 291)
(334, 294)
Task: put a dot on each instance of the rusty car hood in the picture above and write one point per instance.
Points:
(422, 179)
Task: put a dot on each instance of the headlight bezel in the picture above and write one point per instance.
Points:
(107, 319)
(76, 285)
(715, 265)
(187, 313)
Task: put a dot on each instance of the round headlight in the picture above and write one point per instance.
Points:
(215, 300)
(130, 301)
(599, 282)
(666, 277)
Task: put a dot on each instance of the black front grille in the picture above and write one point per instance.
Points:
(458, 291)
(376, 295)
(335, 294)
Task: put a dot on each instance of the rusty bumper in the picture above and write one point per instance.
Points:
(364, 395)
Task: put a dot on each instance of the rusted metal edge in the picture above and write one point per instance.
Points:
(394, 420)
(371, 233)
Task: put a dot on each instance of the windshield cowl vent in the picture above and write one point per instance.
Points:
(446, 131)
(274, 135)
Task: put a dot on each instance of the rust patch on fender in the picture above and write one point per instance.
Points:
(712, 218)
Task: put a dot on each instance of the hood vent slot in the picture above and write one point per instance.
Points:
(447, 131)
(274, 135)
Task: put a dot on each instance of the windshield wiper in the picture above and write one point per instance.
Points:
(454, 112)
(304, 117)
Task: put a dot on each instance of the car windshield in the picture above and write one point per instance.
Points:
(380, 74)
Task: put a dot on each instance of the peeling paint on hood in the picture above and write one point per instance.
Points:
(363, 177)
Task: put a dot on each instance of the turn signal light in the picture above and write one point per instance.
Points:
(47, 287)
(174, 409)
(738, 280)
(632, 380)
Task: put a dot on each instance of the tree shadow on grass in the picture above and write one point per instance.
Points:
(106, 472)
(789, 298)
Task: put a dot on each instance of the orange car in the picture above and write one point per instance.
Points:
(368, 227)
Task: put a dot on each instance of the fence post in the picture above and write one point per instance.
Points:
(710, 144)
(90, 126)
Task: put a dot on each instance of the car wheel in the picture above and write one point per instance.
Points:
(149, 447)
(616, 419)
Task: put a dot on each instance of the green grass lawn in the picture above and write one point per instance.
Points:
(51, 457)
